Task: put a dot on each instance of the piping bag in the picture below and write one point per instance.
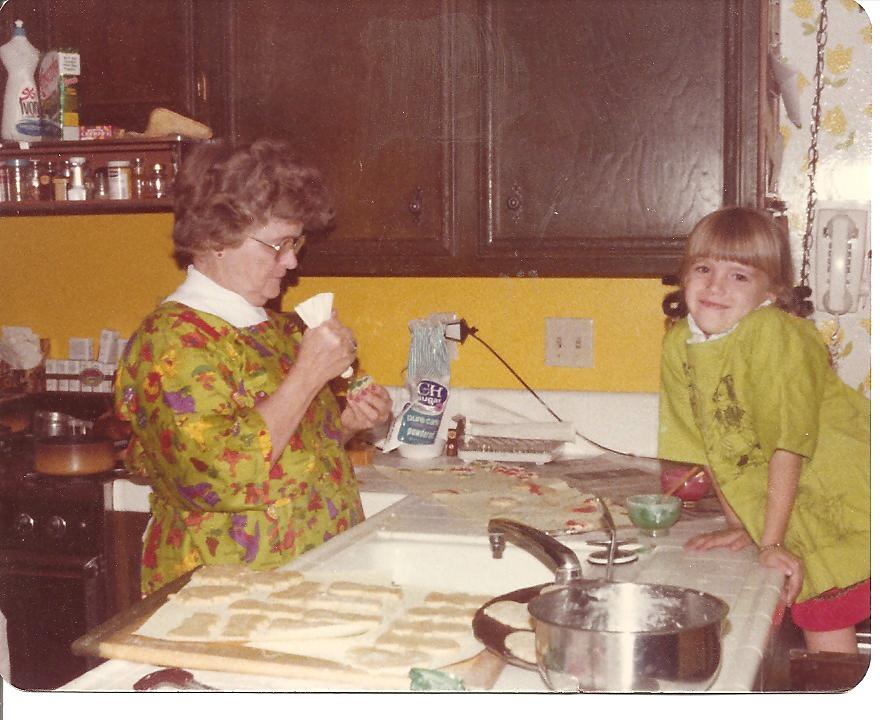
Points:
(314, 311)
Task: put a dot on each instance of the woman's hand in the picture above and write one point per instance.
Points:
(326, 351)
(370, 408)
(734, 539)
(790, 564)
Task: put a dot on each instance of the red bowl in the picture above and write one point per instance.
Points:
(694, 488)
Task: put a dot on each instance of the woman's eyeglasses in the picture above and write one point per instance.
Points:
(282, 246)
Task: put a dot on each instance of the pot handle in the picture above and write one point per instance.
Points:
(559, 558)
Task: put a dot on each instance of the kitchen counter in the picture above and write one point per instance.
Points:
(413, 520)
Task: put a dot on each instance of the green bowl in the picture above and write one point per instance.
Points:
(654, 514)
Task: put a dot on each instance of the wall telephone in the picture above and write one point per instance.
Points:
(840, 254)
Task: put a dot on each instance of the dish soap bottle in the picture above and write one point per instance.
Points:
(21, 104)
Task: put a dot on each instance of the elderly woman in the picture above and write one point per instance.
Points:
(232, 419)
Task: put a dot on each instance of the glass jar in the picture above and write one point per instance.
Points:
(138, 180)
(119, 179)
(33, 180)
(158, 183)
(5, 195)
(47, 173)
(77, 189)
(18, 187)
(99, 185)
(60, 182)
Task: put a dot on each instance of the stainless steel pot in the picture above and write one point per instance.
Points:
(57, 424)
(600, 635)
(595, 635)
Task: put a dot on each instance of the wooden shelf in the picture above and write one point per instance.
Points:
(84, 207)
(98, 153)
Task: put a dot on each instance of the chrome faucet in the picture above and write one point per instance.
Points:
(559, 558)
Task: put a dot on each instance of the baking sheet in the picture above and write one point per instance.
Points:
(353, 639)
(487, 490)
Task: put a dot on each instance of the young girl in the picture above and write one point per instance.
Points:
(747, 390)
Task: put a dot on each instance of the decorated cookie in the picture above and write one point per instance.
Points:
(358, 386)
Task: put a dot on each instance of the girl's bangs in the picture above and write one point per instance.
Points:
(735, 237)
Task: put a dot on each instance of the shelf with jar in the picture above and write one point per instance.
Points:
(88, 176)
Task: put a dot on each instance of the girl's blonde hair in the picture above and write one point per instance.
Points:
(748, 236)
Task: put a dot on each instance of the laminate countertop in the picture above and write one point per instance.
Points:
(401, 509)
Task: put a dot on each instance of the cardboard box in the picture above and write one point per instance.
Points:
(80, 349)
(58, 83)
(96, 132)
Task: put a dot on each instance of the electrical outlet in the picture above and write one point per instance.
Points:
(568, 342)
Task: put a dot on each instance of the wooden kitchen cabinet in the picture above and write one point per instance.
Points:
(531, 138)
(134, 55)
(122, 553)
(509, 137)
(362, 90)
(610, 129)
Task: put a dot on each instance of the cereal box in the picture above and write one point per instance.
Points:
(58, 81)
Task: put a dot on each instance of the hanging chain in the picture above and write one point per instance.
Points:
(813, 152)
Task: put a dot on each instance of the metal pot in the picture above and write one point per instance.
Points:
(600, 635)
(74, 455)
(57, 424)
(623, 637)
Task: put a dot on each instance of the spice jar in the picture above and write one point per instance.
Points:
(99, 185)
(47, 174)
(138, 180)
(4, 182)
(59, 182)
(18, 187)
(33, 181)
(77, 189)
(119, 179)
(158, 184)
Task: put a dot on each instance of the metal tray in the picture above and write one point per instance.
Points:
(493, 633)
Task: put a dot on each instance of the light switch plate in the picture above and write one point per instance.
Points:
(568, 342)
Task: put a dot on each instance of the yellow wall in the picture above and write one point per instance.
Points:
(74, 275)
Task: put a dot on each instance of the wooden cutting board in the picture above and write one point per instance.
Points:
(116, 639)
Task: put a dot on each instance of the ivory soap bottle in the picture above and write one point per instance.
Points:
(21, 104)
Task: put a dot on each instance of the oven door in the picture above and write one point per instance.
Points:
(49, 603)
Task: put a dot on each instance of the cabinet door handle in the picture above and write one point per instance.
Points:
(415, 205)
(514, 202)
(202, 86)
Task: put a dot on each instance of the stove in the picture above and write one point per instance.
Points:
(53, 575)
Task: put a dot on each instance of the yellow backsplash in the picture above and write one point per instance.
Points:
(71, 276)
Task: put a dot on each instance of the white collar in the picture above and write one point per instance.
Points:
(698, 336)
(199, 292)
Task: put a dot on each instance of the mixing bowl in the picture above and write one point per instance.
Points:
(624, 637)
(694, 488)
(654, 514)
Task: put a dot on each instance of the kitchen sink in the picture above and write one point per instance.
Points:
(440, 562)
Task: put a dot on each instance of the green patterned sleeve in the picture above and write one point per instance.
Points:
(201, 441)
(788, 371)
(679, 438)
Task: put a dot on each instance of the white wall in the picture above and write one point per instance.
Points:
(843, 171)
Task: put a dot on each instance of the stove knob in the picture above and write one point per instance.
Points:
(57, 527)
(24, 525)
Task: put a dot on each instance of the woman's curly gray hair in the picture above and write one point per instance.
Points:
(221, 190)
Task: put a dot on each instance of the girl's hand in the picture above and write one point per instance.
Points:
(372, 407)
(790, 564)
(734, 539)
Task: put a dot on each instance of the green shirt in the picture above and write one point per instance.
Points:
(187, 384)
(731, 401)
